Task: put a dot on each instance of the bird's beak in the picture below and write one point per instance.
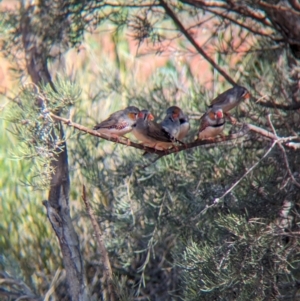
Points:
(219, 114)
(150, 117)
(247, 95)
(140, 115)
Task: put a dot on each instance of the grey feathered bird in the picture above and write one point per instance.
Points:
(150, 133)
(230, 98)
(118, 123)
(176, 123)
(212, 124)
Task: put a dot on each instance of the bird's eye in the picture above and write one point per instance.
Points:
(150, 117)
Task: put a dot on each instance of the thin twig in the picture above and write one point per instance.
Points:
(182, 29)
(150, 244)
(107, 273)
(241, 9)
(271, 125)
(276, 140)
(278, 7)
(22, 292)
(284, 107)
(283, 152)
(57, 279)
(217, 200)
(267, 134)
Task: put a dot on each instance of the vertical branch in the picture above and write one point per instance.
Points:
(107, 274)
(57, 205)
(171, 14)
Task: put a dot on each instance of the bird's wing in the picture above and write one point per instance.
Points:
(220, 99)
(156, 132)
(204, 123)
(113, 121)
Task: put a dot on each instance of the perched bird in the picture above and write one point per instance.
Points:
(119, 123)
(151, 133)
(140, 128)
(230, 99)
(160, 136)
(211, 124)
(176, 123)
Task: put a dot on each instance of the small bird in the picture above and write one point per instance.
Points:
(119, 123)
(230, 99)
(162, 138)
(140, 128)
(176, 123)
(150, 133)
(212, 124)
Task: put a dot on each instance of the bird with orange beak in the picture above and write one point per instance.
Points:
(230, 99)
(212, 124)
(119, 123)
(176, 123)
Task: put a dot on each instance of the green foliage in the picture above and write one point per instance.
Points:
(152, 215)
(164, 242)
(26, 241)
(236, 261)
(34, 128)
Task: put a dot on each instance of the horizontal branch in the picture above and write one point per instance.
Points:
(186, 146)
(262, 132)
(284, 107)
(127, 142)
(278, 7)
(240, 24)
(241, 9)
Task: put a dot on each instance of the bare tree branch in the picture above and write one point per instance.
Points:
(240, 24)
(277, 7)
(237, 7)
(127, 142)
(196, 143)
(262, 132)
(172, 15)
(284, 107)
(276, 140)
(295, 4)
(217, 200)
(16, 289)
(284, 154)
